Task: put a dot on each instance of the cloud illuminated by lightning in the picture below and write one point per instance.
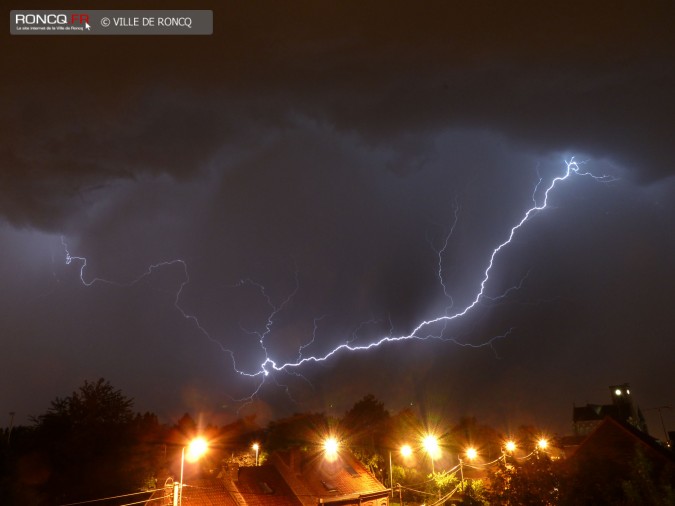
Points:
(425, 330)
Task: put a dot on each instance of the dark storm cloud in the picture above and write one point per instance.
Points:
(596, 79)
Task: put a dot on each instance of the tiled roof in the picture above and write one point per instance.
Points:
(616, 442)
(324, 480)
(264, 486)
(196, 492)
(295, 478)
(616, 454)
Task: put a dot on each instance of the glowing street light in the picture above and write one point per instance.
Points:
(330, 448)
(509, 446)
(195, 449)
(471, 454)
(542, 444)
(430, 443)
(406, 451)
(256, 447)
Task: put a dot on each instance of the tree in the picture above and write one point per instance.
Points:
(529, 483)
(365, 425)
(300, 430)
(368, 412)
(468, 432)
(88, 440)
(474, 494)
(646, 486)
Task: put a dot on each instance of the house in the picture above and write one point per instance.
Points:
(617, 462)
(258, 486)
(342, 481)
(292, 478)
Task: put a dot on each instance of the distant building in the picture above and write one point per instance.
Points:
(623, 409)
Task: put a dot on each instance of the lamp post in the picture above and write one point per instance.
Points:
(256, 447)
(471, 454)
(430, 443)
(541, 446)
(195, 449)
(663, 425)
(391, 476)
(509, 446)
(406, 451)
(330, 448)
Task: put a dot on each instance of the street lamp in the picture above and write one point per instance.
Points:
(430, 444)
(542, 444)
(195, 449)
(509, 446)
(256, 447)
(406, 451)
(330, 448)
(471, 454)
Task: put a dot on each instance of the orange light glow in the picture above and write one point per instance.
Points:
(196, 449)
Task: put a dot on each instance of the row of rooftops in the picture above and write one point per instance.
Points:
(292, 478)
(301, 478)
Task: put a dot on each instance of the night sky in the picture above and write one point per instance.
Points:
(306, 164)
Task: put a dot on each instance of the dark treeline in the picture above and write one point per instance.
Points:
(92, 445)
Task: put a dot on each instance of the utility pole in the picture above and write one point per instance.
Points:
(663, 425)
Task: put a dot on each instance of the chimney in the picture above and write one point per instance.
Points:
(231, 473)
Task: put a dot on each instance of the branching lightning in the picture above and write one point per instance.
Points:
(573, 168)
(425, 330)
(441, 251)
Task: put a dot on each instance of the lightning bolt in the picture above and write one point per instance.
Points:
(572, 168)
(441, 251)
(422, 331)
